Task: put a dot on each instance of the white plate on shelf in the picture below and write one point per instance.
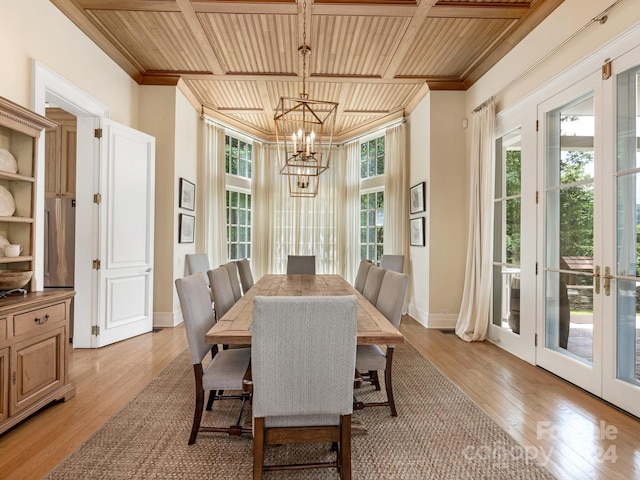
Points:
(8, 161)
(7, 203)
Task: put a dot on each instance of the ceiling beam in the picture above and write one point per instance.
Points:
(408, 39)
(195, 26)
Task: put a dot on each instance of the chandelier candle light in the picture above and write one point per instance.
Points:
(304, 133)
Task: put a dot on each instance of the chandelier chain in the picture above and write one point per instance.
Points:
(305, 49)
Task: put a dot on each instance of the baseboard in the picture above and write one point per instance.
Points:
(166, 319)
(440, 321)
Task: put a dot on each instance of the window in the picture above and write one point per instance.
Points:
(372, 226)
(238, 165)
(238, 156)
(372, 158)
(372, 199)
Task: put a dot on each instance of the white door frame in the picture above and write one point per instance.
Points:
(50, 87)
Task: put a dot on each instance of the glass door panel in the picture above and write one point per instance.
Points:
(622, 380)
(507, 226)
(570, 342)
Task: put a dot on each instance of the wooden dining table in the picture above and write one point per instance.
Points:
(234, 328)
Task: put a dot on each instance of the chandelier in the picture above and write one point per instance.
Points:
(304, 133)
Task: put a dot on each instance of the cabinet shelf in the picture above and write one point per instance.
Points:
(16, 219)
(16, 176)
(25, 258)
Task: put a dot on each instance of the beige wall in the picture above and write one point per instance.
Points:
(36, 29)
(537, 59)
(437, 157)
(167, 115)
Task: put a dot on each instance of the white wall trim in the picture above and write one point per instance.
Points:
(50, 87)
(167, 319)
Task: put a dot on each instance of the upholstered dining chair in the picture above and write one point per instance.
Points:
(361, 276)
(198, 263)
(392, 262)
(232, 271)
(246, 277)
(226, 369)
(303, 359)
(372, 284)
(221, 290)
(301, 264)
(372, 358)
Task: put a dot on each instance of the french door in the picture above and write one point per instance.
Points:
(589, 218)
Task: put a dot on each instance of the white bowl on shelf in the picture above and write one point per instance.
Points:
(8, 161)
(7, 203)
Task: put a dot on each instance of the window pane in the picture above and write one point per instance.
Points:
(238, 225)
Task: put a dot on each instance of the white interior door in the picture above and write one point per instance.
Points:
(126, 213)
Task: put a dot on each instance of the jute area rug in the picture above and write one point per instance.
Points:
(439, 434)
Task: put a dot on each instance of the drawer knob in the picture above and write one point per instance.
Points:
(41, 321)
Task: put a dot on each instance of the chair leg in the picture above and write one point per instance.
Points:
(197, 416)
(212, 397)
(388, 385)
(344, 450)
(373, 375)
(258, 448)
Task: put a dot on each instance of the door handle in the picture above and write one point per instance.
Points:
(596, 276)
(607, 281)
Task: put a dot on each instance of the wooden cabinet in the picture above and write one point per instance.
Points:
(20, 129)
(34, 369)
(60, 155)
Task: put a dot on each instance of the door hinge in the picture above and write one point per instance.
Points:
(13, 377)
(537, 125)
(97, 133)
(537, 197)
(96, 264)
(536, 268)
(535, 340)
(95, 330)
(97, 198)
(606, 69)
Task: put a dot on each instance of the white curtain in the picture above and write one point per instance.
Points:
(261, 203)
(304, 226)
(214, 224)
(349, 252)
(473, 321)
(396, 193)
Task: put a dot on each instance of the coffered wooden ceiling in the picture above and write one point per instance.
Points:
(376, 58)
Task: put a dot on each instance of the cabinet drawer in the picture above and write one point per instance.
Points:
(3, 329)
(40, 319)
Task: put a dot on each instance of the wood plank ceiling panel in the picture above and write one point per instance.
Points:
(381, 98)
(263, 44)
(451, 46)
(486, 2)
(354, 45)
(228, 95)
(159, 41)
(375, 58)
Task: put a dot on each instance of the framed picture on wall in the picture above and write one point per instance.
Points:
(186, 228)
(187, 195)
(417, 198)
(417, 231)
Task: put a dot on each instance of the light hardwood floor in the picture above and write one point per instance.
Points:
(576, 435)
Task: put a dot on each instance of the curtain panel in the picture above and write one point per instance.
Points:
(214, 211)
(473, 321)
(396, 193)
